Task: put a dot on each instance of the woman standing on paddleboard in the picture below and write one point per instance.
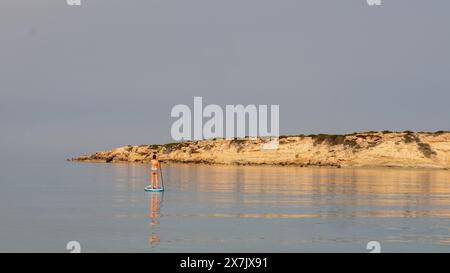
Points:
(154, 174)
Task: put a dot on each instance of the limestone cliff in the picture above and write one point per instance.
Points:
(372, 149)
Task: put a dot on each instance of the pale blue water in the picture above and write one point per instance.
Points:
(221, 209)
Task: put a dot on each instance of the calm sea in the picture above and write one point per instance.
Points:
(222, 209)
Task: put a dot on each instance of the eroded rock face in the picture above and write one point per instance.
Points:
(374, 149)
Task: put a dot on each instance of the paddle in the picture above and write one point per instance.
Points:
(162, 179)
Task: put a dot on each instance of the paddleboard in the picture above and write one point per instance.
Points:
(148, 188)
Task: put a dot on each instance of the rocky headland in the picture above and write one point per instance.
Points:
(368, 149)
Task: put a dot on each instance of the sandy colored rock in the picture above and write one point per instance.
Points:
(374, 149)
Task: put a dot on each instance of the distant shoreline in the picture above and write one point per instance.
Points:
(422, 150)
(381, 168)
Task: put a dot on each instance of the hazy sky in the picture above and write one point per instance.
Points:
(78, 79)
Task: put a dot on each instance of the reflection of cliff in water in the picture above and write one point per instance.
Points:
(340, 193)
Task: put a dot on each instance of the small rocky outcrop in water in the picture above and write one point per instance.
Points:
(371, 149)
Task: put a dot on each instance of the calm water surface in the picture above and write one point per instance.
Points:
(222, 209)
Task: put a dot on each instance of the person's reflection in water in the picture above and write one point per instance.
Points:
(154, 214)
(154, 239)
(154, 209)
